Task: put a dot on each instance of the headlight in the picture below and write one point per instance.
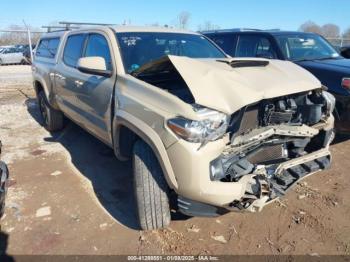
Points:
(212, 127)
(330, 101)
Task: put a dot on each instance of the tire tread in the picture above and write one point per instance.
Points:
(150, 188)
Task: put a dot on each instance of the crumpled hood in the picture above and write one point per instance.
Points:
(218, 85)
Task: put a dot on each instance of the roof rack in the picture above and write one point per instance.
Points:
(64, 26)
(239, 30)
(231, 30)
(68, 24)
(58, 28)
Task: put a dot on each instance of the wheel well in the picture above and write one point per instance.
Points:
(38, 87)
(126, 140)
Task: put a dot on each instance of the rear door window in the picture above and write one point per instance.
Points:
(97, 45)
(254, 46)
(73, 49)
(48, 47)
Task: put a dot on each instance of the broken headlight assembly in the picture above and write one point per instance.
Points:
(330, 102)
(212, 126)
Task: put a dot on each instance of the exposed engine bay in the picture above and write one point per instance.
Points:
(275, 143)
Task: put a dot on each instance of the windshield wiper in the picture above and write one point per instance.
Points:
(302, 60)
(313, 59)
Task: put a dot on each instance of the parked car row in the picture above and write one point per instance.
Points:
(218, 133)
(308, 50)
(19, 54)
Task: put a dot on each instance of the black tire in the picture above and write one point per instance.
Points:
(52, 118)
(3, 187)
(151, 189)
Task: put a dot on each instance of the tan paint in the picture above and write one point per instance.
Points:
(219, 86)
(145, 109)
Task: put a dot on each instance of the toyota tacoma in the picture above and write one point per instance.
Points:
(221, 134)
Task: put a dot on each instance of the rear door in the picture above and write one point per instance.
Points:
(17, 57)
(13, 56)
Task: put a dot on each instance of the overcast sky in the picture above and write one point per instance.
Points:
(264, 14)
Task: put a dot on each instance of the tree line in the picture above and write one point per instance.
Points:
(327, 30)
(182, 21)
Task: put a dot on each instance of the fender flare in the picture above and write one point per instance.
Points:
(147, 134)
(47, 90)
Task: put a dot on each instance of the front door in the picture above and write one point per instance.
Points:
(89, 97)
(94, 93)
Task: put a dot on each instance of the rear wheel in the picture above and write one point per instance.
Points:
(53, 119)
(151, 188)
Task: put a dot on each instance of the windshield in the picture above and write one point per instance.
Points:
(297, 47)
(138, 49)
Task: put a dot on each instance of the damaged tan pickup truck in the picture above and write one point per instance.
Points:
(220, 134)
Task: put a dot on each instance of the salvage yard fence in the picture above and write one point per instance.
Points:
(339, 42)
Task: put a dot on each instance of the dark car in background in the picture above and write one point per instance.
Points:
(311, 51)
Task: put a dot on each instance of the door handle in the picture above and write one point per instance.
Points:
(78, 83)
(61, 77)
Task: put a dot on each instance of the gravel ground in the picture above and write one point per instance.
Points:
(69, 195)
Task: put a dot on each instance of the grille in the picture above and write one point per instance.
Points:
(267, 154)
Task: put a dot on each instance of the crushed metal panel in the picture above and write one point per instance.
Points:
(219, 86)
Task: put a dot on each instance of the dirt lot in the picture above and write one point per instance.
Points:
(69, 195)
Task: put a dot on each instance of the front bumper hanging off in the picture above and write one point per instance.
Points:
(260, 185)
(263, 189)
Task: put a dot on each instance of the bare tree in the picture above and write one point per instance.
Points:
(311, 27)
(330, 31)
(18, 38)
(208, 25)
(183, 19)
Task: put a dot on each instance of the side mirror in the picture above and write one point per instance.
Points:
(94, 65)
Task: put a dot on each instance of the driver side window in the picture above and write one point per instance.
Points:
(97, 45)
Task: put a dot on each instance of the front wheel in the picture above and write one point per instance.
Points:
(53, 119)
(4, 175)
(151, 188)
